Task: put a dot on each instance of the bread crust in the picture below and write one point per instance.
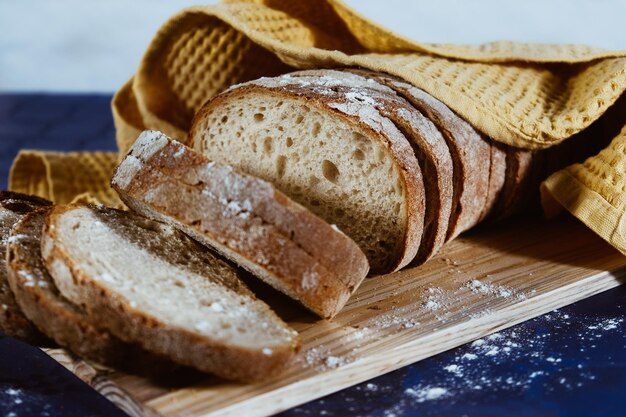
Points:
(135, 326)
(519, 164)
(245, 219)
(395, 143)
(497, 176)
(429, 147)
(470, 152)
(13, 206)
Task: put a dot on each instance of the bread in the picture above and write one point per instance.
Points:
(527, 169)
(430, 148)
(337, 156)
(471, 153)
(13, 206)
(497, 176)
(65, 323)
(243, 218)
(150, 284)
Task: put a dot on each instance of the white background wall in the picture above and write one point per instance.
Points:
(95, 45)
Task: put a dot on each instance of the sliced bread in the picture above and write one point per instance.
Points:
(64, 322)
(150, 284)
(430, 148)
(245, 219)
(14, 206)
(338, 157)
(470, 152)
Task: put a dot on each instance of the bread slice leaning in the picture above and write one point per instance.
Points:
(14, 206)
(338, 157)
(243, 218)
(59, 319)
(150, 284)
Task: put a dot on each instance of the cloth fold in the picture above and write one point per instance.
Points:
(528, 96)
(65, 177)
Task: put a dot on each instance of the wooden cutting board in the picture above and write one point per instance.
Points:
(482, 282)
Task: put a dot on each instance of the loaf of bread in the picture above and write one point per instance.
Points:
(14, 206)
(335, 154)
(147, 283)
(245, 219)
(397, 170)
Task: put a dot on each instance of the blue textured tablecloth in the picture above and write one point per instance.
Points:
(571, 362)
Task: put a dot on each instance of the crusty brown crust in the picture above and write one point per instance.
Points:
(245, 219)
(497, 176)
(62, 321)
(398, 147)
(132, 325)
(429, 146)
(516, 183)
(470, 153)
(13, 322)
(527, 169)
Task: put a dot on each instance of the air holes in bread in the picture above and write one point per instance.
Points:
(267, 145)
(330, 171)
(258, 117)
(281, 161)
(316, 129)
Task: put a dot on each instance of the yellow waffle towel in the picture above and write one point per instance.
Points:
(530, 96)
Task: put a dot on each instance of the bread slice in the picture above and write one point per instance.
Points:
(430, 148)
(519, 164)
(65, 323)
(340, 158)
(150, 284)
(526, 169)
(243, 218)
(470, 152)
(14, 206)
(497, 176)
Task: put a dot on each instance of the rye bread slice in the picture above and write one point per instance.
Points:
(59, 319)
(337, 157)
(469, 149)
(245, 219)
(150, 284)
(14, 206)
(431, 150)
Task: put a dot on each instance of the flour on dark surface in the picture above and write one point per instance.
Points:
(518, 361)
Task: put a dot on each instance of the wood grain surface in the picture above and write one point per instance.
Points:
(480, 283)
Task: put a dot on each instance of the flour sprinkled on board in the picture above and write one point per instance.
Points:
(322, 359)
(435, 299)
(480, 287)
